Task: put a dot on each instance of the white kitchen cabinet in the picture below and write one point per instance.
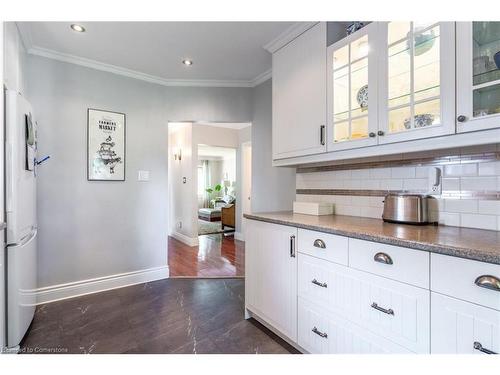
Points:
(460, 327)
(352, 74)
(478, 76)
(320, 332)
(271, 275)
(396, 311)
(299, 95)
(416, 80)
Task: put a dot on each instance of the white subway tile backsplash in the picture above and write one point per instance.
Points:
(392, 184)
(422, 172)
(478, 221)
(489, 207)
(454, 170)
(460, 205)
(360, 173)
(478, 183)
(452, 184)
(403, 172)
(380, 173)
(361, 201)
(448, 218)
(489, 169)
(415, 184)
(476, 177)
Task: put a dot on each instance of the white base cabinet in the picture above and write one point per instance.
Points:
(298, 282)
(460, 327)
(321, 332)
(271, 275)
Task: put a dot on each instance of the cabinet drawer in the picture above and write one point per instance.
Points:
(322, 245)
(396, 311)
(463, 328)
(320, 332)
(394, 262)
(457, 277)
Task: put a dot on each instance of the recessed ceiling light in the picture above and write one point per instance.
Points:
(78, 28)
(187, 62)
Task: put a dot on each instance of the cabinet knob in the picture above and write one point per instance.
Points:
(462, 118)
(380, 132)
(372, 135)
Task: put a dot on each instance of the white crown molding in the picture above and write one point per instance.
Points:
(25, 32)
(99, 284)
(51, 54)
(262, 77)
(288, 35)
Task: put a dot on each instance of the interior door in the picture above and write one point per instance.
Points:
(417, 80)
(299, 95)
(478, 75)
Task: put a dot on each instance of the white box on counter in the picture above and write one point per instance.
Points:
(313, 208)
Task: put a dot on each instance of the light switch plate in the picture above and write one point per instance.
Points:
(143, 176)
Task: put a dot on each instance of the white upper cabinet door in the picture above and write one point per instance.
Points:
(416, 80)
(271, 275)
(352, 90)
(478, 76)
(299, 95)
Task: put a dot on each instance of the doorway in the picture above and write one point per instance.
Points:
(209, 190)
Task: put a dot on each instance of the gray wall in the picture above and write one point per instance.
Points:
(273, 188)
(93, 229)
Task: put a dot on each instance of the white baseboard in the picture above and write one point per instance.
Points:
(99, 284)
(185, 239)
(239, 236)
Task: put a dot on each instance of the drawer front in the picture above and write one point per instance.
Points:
(456, 277)
(396, 311)
(460, 327)
(320, 332)
(394, 262)
(323, 245)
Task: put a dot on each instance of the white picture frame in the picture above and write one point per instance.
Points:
(105, 145)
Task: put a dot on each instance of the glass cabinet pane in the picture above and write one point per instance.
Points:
(413, 75)
(350, 87)
(486, 68)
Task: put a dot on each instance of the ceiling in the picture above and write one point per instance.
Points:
(213, 152)
(221, 51)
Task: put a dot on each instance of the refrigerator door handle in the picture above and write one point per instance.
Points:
(27, 238)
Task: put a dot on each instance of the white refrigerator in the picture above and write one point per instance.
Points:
(20, 215)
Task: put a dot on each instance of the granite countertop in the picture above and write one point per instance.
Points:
(475, 244)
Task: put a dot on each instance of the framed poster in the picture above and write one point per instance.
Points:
(105, 145)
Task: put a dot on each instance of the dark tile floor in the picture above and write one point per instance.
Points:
(166, 316)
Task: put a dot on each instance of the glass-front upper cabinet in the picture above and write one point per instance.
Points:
(417, 80)
(352, 89)
(478, 75)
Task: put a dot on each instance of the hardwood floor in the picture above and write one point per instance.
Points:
(165, 316)
(215, 256)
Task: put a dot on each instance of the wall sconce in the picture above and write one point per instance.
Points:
(178, 154)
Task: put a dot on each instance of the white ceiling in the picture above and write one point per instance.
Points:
(223, 51)
(213, 152)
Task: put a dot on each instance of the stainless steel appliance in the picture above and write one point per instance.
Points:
(406, 208)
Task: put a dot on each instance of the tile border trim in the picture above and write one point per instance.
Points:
(439, 160)
(449, 194)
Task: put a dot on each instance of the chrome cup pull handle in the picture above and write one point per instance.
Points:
(319, 243)
(381, 309)
(478, 346)
(316, 282)
(488, 282)
(319, 333)
(382, 258)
